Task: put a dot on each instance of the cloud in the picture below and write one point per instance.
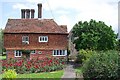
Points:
(65, 20)
(72, 11)
(20, 6)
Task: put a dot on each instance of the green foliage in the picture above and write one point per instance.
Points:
(26, 51)
(93, 35)
(103, 66)
(34, 65)
(84, 55)
(118, 45)
(9, 74)
(1, 40)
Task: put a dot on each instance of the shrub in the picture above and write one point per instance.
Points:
(9, 74)
(118, 45)
(103, 65)
(84, 55)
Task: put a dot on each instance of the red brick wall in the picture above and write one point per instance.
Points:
(10, 54)
(45, 53)
(54, 41)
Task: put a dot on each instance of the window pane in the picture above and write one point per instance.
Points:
(54, 52)
(26, 38)
(60, 52)
(16, 54)
(45, 38)
(57, 52)
(63, 52)
(33, 51)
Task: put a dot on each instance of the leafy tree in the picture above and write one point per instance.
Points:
(93, 35)
(1, 40)
(118, 45)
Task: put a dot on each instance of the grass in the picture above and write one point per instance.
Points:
(78, 70)
(55, 74)
(2, 57)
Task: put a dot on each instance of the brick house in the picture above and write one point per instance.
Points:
(38, 37)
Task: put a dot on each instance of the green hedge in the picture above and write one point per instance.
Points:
(103, 65)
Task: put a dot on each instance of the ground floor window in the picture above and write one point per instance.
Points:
(33, 51)
(59, 52)
(18, 53)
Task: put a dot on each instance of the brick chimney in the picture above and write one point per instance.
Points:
(39, 10)
(22, 13)
(32, 13)
(27, 13)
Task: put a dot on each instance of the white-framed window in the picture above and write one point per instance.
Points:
(33, 52)
(59, 52)
(25, 39)
(17, 53)
(39, 52)
(43, 38)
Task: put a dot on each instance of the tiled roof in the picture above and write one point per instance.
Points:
(33, 26)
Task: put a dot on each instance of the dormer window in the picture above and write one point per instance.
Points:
(25, 39)
(43, 38)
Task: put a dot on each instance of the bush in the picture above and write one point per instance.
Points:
(103, 65)
(118, 45)
(9, 74)
(84, 55)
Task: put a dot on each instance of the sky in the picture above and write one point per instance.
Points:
(64, 12)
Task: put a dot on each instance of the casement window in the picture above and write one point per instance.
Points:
(39, 52)
(59, 52)
(25, 39)
(43, 38)
(18, 53)
(33, 52)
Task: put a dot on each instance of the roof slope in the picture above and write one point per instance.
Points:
(33, 26)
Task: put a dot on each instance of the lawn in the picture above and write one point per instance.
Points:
(2, 57)
(55, 74)
(79, 73)
(78, 70)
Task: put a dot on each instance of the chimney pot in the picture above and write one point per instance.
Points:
(22, 13)
(32, 13)
(27, 13)
(39, 10)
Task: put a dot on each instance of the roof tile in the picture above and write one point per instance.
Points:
(33, 26)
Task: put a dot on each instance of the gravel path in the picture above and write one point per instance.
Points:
(69, 73)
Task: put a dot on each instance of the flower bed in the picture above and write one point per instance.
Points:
(34, 65)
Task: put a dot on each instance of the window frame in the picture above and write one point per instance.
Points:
(59, 52)
(43, 39)
(32, 52)
(18, 52)
(24, 41)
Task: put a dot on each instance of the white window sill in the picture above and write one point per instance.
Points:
(59, 55)
(43, 41)
(18, 56)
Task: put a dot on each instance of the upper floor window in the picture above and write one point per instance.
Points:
(43, 38)
(25, 39)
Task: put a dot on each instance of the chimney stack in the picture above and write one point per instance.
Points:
(32, 13)
(39, 10)
(22, 13)
(27, 13)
